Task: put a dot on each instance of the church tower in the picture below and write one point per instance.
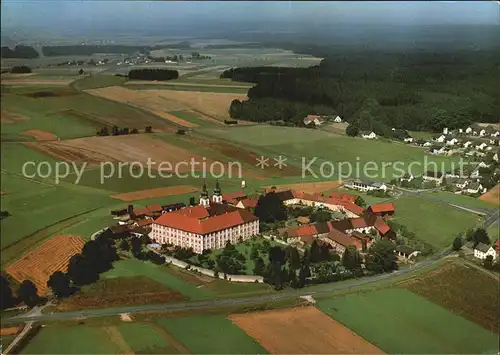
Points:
(217, 197)
(204, 200)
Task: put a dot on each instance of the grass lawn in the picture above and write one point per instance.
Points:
(399, 321)
(494, 232)
(63, 339)
(455, 287)
(97, 81)
(300, 147)
(145, 339)
(211, 334)
(187, 116)
(462, 200)
(433, 222)
(161, 274)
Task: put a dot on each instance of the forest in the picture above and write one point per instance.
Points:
(153, 74)
(417, 90)
(25, 52)
(51, 51)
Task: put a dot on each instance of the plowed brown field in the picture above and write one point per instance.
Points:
(51, 256)
(41, 135)
(151, 193)
(302, 331)
(492, 196)
(160, 102)
(11, 117)
(9, 331)
(132, 148)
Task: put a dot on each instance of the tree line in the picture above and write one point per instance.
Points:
(117, 131)
(421, 90)
(153, 74)
(20, 51)
(52, 51)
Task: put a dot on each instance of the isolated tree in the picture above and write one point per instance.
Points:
(360, 202)
(381, 257)
(315, 252)
(304, 273)
(259, 267)
(136, 246)
(7, 296)
(480, 236)
(351, 258)
(125, 245)
(192, 201)
(80, 72)
(352, 130)
(28, 293)
(488, 262)
(60, 282)
(457, 243)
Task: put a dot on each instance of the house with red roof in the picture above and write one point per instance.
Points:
(234, 197)
(381, 209)
(340, 241)
(201, 227)
(247, 203)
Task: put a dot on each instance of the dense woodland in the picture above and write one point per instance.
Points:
(419, 90)
(51, 51)
(25, 52)
(153, 74)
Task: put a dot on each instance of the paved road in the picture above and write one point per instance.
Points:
(288, 294)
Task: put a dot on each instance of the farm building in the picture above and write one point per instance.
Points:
(382, 209)
(406, 253)
(434, 176)
(366, 185)
(368, 135)
(481, 251)
(314, 119)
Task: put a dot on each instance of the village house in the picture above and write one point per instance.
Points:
(460, 130)
(434, 176)
(495, 134)
(366, 185)
(452, 141)
(481, 146)
(461, 183)
(440, 150)
(482, 133)
(475, 188)
(368, 135)
(445, 130)
(247, 203)
(407, 177)
(172, 207)
(467, 144)
(495, 157)
(408, 139)
(440, 139)
(469, 130)
(337, 119)
(427, 144)
(481, 251)
(208, 225)
(233, 198)
(340, 241)
(314, 119)
(406, 253)
(382, 209)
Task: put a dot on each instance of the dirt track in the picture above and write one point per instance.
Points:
(302, 331)
(151, 193)
(41, 135)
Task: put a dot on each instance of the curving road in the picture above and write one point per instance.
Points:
(288, 294)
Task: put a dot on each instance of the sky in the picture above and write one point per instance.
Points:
(58, 14)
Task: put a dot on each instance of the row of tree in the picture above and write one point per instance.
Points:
(21, 69)
(20, 51)
(117, 131)
(153, 74)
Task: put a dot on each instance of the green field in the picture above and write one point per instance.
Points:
(69, 113)
(466, 201)
(211, 334)
(398, 321)
(200, 88)
(161, 274)
(98, 81)
(145, 339)
(81, 339)
(190, 118)
(433, 222)
(300, 145)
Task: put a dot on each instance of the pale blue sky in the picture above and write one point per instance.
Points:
(75, 13)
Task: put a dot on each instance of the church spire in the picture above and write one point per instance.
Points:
(217, 197)
(204, 200)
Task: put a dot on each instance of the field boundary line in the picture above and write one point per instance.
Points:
(175, 343)
(116, 337)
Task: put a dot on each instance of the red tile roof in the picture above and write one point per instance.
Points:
(237, 195)
(144, 222)
(344, 239)
(249, 203)
(342, 196)
(352, 207)
(383, 207)
(497, 245)
(381, 226)
(197, 224)
(358, 223)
